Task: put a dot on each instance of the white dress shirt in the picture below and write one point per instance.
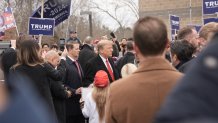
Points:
(104, 60)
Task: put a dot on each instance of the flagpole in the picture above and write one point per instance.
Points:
(68, 22)
(42, 14)
(190, 5)
(15, 23)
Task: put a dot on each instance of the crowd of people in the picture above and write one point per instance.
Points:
(143, 79)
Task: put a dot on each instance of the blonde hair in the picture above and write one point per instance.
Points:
(102, 43)
(99, 95)
(211, 27)
(128, 69)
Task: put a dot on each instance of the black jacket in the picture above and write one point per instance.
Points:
(115, 52)
(39, 76)
(8, 59)
(129, 57)
(186, 66)
(73, 81)
(85, 55)
(96, 64)
(59, 94)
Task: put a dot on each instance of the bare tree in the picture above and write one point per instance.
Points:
(118, 11)
(131, 4)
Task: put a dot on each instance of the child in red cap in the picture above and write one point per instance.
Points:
(94, 106)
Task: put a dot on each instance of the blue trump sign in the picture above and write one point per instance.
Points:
(197, 27)
(41, 26)
(175, 25)
(210, 6)
(57, 9)
(208, 20)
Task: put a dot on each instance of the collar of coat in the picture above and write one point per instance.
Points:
(151, 64)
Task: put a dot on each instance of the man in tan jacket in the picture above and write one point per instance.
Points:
(136, 98)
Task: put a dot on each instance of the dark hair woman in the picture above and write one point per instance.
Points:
(30, 64)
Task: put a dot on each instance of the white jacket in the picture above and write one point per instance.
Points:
(90, 109)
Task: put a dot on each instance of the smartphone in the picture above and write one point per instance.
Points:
(61, 44)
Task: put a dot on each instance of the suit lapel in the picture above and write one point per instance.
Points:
(70, 62)
(103, 67)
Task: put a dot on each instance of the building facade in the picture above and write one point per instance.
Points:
(189, 11)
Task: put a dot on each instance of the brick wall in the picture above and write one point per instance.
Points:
(162, 9)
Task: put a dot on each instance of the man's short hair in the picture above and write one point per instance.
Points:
(54, 46)
(182, 49)
(70, 45)
(150, 36)
(129, 45)
(211, 27)
(88, 40)
(45, 45)
(184, 32)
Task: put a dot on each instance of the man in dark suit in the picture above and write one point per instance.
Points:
(102, 61)
(129, 56)
(73, 80)
(59, 93)
(86, 53)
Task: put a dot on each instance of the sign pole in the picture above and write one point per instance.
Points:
(67, 29)
(190, 11)
(42, 14)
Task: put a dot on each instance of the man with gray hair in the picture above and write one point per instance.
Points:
(59, 93)
(87, 52)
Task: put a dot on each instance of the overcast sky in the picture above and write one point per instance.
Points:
(126, 16)
(124, 13)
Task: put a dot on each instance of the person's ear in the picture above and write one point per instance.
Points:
(168, 44)
(137, 51)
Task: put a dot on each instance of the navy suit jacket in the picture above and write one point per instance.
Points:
(73, 81)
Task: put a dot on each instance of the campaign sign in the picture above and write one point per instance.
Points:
(210, 6)
(208, 20)
(175, 25)
(7, 20)
(57, 9)
(197, 27)
(41, 26)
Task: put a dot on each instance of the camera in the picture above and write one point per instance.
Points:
(61, 44)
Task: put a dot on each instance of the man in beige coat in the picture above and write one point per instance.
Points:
(136, 98)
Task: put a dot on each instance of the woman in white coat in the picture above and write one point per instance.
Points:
(94, 105)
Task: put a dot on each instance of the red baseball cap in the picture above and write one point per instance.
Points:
(101, 79)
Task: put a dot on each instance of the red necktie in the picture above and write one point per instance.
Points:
(78, 68)
(109, 69)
